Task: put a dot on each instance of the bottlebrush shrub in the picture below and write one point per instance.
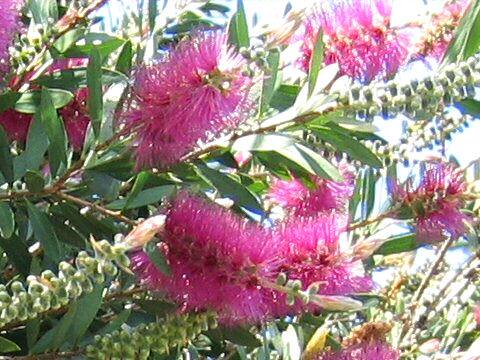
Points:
(187, 182)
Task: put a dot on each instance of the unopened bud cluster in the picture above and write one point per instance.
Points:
(139, 342)
(21, 302)
(28, 47)
(257, 58)
(416, 97)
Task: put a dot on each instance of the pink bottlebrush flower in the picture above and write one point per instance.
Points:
(196, 92)
(9, 26)
(302, 200)
(217, 260)
(77, 119)
(439, 31)
(75, 115)
(15, 125)
(357, 36)
(436, 202)
(312, 255)
(364, 351)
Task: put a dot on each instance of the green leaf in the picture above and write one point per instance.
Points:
(470, 107)
(116, 323)
(152, 13)
(8, 100)
(238, 27)
(228, 187)
(29, 102)
(124, 62)
(263, 142)
(316, 62)
(53, 338)
(89, 305)
(157, 258)
(284, 97)
(72, 79)
(398, 244)
(367, 193)
(34, 180)
(7, 346)
(270, 80)
(156, 307)
(95, 98)
(33, 156)
(345, 143)
(44, 232)
(6, 162)
(103, 44)
(241, 336)
(57, 150)
(466, 41)
(310, 161)
(145, 197)
(7, 221)
(17, 253)
(137, 187)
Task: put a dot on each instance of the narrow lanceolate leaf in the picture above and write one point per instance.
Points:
(345, 143)
(157, 258)
(44, 232)
(398, 244)
(88, 305)
(228, 187)
(53, 338)
(124, 62)
(269, 83)
(7, 222)
(311, 161)
(316, 62)
(57, 149)
(238, 28)
(95, 99)
(30, 101)
(367, 193)
(7, 346)
(467, 36)
(6, 163)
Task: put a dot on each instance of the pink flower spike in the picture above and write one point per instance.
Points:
(325, 195)
(198, 91)
(77, 119)
(9, 26)
(365, 351)
(217, 260)
(437, 202)
(357, 36)
(15, 125)
(476, 314)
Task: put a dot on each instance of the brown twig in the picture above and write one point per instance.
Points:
(100, 209)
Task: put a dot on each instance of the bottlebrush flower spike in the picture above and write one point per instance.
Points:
(364, 351)
(198, 90)
(439, 31)
(9, 26)
(358, 36)
(310, 247)
(216, 259)
(476, 314)
(325, 195)
(15, 125)
(436, 202)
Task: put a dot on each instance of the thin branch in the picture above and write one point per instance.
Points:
(100, 209)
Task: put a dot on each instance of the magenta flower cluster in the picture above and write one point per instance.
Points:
(365, 351)
(436, 202)
(321, 195)
(10, 25)
(220, 261)
(358, 36)
(197, 91)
